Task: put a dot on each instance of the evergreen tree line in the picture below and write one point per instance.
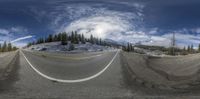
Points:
(184, 51)
(190, 49)
(6, 47)
(129, 47)
(74, 38)
(170, 51)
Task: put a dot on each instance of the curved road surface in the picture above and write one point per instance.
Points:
(26, 83)
(70, 69)
(113, 83)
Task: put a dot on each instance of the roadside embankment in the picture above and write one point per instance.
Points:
(7, 62)
(163, 72)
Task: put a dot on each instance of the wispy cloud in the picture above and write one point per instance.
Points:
(10, 34)
(18, 30)
(21, 38)
(37, 13)
(13, 30)
(106, 20)
(4, 32)
(182, 39)
(101, 22)
(98, 26)
(196, 30)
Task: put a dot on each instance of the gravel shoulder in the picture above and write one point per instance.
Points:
(164, 73)
(7, 62)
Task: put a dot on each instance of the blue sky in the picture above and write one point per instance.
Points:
(149, 22)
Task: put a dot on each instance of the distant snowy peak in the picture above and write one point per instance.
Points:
(124, 43)
(113, 42)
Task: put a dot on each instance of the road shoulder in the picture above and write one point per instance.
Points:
(8, 62)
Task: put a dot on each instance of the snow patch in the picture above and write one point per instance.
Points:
(78, 48)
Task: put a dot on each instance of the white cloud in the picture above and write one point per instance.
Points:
(21, 38)
(101, 22)
(37, 13)
(189, 38)
(97, 19)
(11, 30)
(65, 14)
(110, 24)
(196, 30)
(116, 25)
(106, 22)
(181, 40)
(153, 31)
(9, 34)
(98, 26)
(136, 5)
(140, 7)
(158, 41)
(4, 31)
(18, 30)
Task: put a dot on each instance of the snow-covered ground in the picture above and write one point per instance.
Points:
(148, 52)
(78, 48)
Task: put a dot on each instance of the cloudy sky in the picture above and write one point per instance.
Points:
(149, 22)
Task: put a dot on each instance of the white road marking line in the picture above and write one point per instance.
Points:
(70, 81)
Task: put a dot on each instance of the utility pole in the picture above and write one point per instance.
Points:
(173, 44)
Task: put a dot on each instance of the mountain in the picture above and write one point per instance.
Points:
(113, 42)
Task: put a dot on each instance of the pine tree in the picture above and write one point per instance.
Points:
(82, 39)
(64, 38)
(132, 48)
(97, 41)
(55, 38)
(79, 38)
(72, 37)
(100, 41)
(91, 39)
(184, 49)
(33, 43)
(0, 48)
(9, 48)
(59, 37)
(188, 49)
(50, 38)
(14, 48)
(128, 47)
(38, 42)
(76, 41)
(29, 44)
(4, 47)
(192, 49)
(199, 48)
(42, 40)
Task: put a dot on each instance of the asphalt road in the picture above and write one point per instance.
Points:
(26, 83)
(70, 69)
(113, 83)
